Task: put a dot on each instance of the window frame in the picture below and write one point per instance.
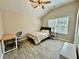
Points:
(67, 23)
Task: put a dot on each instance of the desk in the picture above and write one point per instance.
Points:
(6, 37)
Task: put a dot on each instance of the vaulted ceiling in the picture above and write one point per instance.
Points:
(23, 6)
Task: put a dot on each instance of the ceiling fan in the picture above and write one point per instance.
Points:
(39, 2)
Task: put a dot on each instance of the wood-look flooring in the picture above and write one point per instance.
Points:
(48, 49)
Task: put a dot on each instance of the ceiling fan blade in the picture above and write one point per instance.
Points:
(36, 6)
(46, 2)
(32, 1)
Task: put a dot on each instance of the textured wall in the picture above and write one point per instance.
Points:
(14, 22)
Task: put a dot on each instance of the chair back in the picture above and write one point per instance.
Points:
(18, 34)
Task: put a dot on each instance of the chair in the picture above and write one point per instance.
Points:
(18, 35)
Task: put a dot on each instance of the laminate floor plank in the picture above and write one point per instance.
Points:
(48, 49)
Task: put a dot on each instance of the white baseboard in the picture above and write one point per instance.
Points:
(23, 39)
(56, 38)
(65, 40)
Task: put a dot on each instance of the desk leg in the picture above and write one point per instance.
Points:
(3, 47)
(16, 43)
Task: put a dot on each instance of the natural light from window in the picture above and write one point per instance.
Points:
(59, 25)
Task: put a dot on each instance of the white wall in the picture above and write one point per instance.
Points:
(14, 22)
(67, 10)
(1, 26)
(1, 32)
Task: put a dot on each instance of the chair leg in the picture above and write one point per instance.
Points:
(19, 45)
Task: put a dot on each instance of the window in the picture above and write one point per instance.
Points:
(59, 25)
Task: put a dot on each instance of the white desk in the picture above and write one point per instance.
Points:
(68, 51)
(6, 37)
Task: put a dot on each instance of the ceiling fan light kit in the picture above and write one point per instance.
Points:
(36, 3)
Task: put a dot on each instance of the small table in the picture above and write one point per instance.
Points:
(6, 37)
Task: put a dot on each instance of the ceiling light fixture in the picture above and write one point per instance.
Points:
(36, 3)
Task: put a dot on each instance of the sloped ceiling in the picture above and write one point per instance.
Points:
(23, 6)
